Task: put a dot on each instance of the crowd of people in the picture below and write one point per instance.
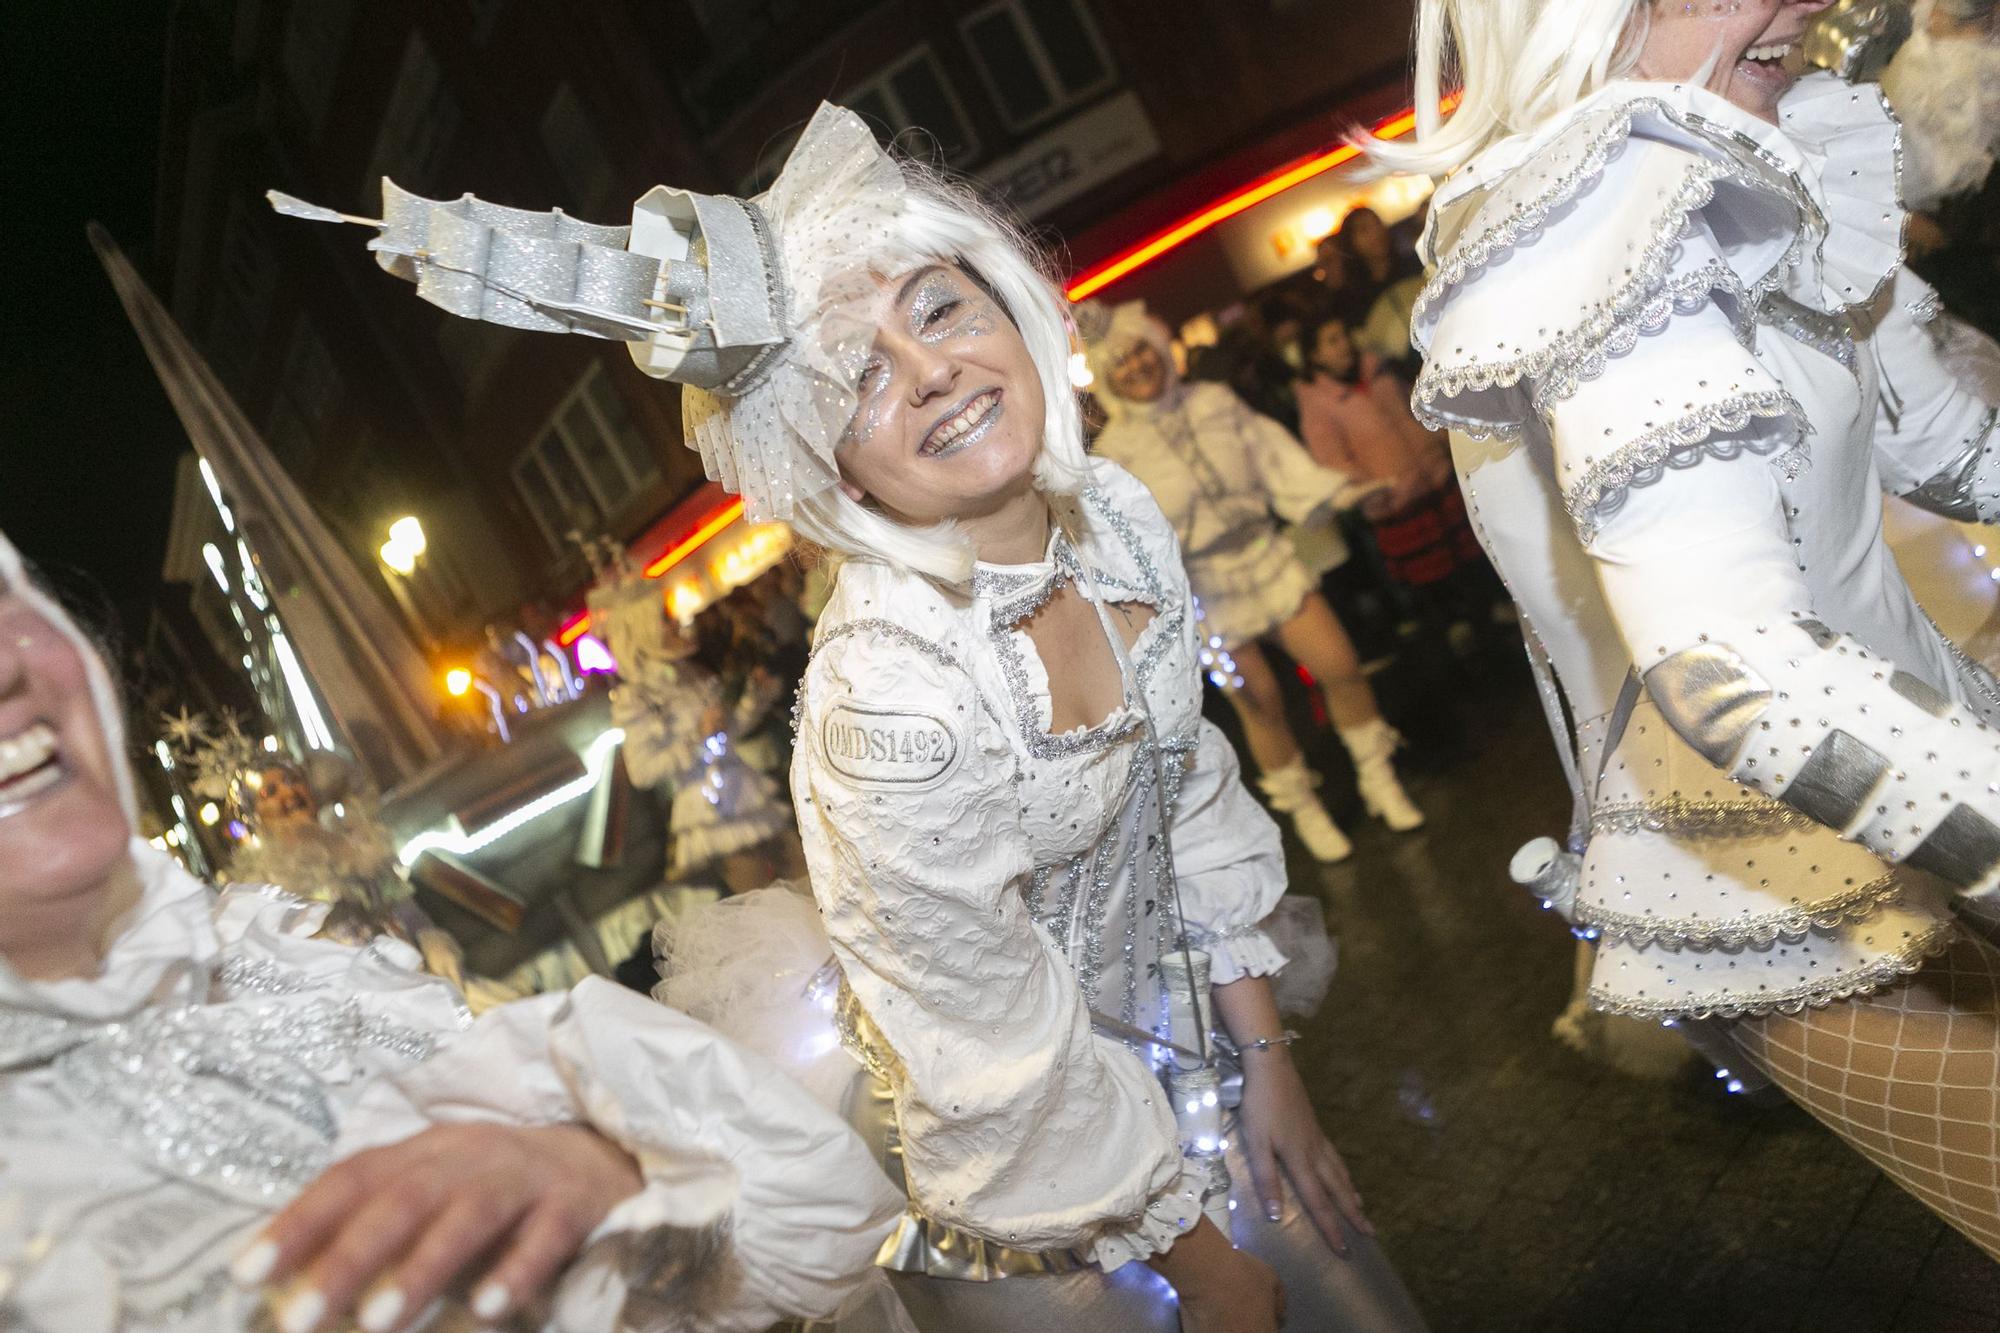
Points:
(990, 1033)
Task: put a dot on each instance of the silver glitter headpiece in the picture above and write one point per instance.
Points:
(757, 306)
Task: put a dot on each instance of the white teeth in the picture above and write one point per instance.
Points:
(967, 417)
(1775, 51)
(26, 752)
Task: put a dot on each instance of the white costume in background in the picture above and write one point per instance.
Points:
(1682, 364)
(153, 1118)
(1220, 470)
(988, 886)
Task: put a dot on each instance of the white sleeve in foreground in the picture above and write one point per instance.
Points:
(759, 1204)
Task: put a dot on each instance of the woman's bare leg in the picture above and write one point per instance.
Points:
(1318, 641)
(1260, 707)
(1288, 784)
(1911, 1077)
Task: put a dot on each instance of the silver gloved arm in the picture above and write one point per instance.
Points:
(1702, 575)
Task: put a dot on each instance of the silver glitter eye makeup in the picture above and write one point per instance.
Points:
(942, 308)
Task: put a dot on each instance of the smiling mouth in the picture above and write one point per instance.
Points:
(30, 764)
(1769, 56)
(965, 426)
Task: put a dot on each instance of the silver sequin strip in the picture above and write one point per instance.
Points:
(1698, 819)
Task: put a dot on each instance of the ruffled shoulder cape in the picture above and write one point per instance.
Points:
(1556, 250)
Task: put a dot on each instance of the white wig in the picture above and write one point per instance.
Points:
(1517, 65)
(942, 221)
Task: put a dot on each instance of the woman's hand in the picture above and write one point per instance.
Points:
(1221, 1289)
(1280, 1133)
(408, 1222)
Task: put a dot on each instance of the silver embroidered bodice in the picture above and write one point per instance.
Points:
(988, 885)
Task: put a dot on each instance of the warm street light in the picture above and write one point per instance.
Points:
(210, 813)
(406, 545)
(457, 682)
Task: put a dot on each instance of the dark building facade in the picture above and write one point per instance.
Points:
(1098, 120)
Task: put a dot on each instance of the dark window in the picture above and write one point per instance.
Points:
(1038, 57)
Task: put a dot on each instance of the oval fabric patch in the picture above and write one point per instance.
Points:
(888, 747)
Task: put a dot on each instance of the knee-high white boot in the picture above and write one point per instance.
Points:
(1370, 745)
(1290, 791)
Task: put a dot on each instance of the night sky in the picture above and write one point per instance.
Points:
(87, 438)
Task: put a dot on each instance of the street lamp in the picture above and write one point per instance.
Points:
(400, 554)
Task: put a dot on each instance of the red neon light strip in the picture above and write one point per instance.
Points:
(577, 625)
(1096, 279)
(711, 525)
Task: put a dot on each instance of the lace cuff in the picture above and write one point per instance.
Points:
(1168, 1216)
(1242, 951)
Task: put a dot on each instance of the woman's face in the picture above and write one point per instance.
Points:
(1368, 234)
(1139, 376)
(62, 829)
(1750, 40)
(1333, 350)
(950, 408)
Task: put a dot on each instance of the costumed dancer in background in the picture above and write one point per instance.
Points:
(1354, 417)
(1219, 470)
(215, 1120)
(318, 840)
(1017, 824)
(679, 730)
(1662, 321)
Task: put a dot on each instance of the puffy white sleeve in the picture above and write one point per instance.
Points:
(1939, 381)
(1229, 863)
(906, 805)
(759, 1204)
(1297, 484)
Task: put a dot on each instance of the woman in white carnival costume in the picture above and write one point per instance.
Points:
(1671, 333)
(1015, 819)
(211, 1120)
(1219, 471)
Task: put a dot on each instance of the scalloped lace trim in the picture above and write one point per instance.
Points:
(1681, 444)
(1642, 305)
(1605, 145)
(1753, 932)
(1885, 971)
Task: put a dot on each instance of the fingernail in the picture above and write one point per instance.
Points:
(1272, 1212)
(254, 1264)
(381, 1311)
(490, 1301)
(303, 1312)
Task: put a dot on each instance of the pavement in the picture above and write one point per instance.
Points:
(1518, 1185)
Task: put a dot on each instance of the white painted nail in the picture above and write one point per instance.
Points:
(303, 1312)
(380, 1312)
(254, 1264)
(490, 1301)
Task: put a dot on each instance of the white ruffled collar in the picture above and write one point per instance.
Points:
(1836, 151)
(162, 953)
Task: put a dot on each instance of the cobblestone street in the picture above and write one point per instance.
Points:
(1518, 1185)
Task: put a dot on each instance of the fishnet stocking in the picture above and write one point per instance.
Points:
(1911, 1077)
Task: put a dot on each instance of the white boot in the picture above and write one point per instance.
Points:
(1290, 791)
(1370, 745)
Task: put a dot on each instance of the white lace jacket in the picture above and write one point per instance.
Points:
(152, 1118)
(988, 885)
(1682, 364)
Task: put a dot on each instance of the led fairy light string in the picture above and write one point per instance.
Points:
(1216, 659)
